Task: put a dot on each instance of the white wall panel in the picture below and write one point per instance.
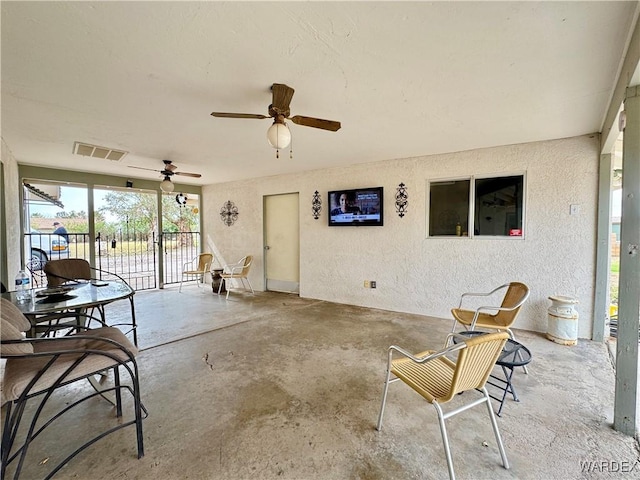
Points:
(426, 276)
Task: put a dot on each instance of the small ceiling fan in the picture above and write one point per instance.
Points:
(168, 171)
(278, 134)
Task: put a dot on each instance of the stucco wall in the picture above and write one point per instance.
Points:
(11, 193)
(426, 276)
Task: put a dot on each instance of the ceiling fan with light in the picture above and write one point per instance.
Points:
(278, 135)
(168, 171)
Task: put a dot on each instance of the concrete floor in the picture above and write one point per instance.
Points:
(274, 386)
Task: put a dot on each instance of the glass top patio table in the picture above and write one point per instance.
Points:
(78, 295)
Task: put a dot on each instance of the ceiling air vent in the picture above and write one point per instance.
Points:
(95, 151)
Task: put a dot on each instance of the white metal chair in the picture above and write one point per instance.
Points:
(239, 270)
(439, 379)
(197, 267)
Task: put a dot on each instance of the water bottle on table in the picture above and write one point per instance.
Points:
(23, 291)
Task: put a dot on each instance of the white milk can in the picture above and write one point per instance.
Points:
(562, 325)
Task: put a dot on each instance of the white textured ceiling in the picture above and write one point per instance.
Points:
(404, 78)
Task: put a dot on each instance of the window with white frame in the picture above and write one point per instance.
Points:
(476, 207)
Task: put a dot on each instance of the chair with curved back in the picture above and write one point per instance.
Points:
(202, 264)
(65, 270)
(238, 270)
(73, 271)
(439, 379)
(493, 317)
(59, 272)
(36, 368)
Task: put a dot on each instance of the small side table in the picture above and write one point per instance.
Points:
(216, 279)
(513, 355)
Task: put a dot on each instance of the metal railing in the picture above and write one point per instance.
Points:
(131, 256)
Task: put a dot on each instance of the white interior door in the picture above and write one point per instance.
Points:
(282, 243)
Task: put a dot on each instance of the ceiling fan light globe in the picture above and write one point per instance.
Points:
(279, 136)
(166, 185)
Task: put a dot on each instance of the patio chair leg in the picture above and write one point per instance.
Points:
(6, 439)
(181, 280)
(138, 410)
(455, 322)
(116, 381)
(496, 432)
(32, 427)
(445, 440)
(384, 400)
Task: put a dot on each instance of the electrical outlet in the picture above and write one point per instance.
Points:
(373, 284)
(366, 284)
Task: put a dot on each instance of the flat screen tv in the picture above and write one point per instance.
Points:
(356, 207)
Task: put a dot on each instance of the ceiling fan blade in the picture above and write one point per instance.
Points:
(142, 168)
(282, 95)
(238, 115)
(170, 167)
(316, 123)
(185, 174)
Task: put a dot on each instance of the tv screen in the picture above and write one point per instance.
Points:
(360, 206)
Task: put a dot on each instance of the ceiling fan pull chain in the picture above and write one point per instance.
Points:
(291, 149)
(277, 153)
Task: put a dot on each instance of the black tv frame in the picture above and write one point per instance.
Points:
(359, 220)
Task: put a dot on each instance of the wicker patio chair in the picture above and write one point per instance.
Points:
(438, 379)
(202, 264)
(493, 317)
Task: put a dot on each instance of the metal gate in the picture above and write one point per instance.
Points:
(131, 256)
(179, 248)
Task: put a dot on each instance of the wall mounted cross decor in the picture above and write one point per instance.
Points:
(229, 213)
(316, 205)
(402, 200)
